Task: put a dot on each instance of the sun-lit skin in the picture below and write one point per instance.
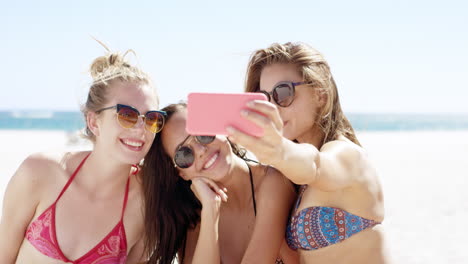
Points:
(139, 96)
(336, 174)
(300, 128)
(174, 134)
(230, 224)
(97, 191)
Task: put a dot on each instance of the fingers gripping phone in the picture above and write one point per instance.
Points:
(210, 113)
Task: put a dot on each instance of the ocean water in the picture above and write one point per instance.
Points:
(73, 121)
(41, 120)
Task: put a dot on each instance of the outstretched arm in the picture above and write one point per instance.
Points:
(336, 165)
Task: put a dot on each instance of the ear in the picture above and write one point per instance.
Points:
(321, 97)
(92, 122)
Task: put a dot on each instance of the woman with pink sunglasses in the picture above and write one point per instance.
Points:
(339, 211)
(86, 207)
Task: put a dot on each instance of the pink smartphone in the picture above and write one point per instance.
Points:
(210, 113)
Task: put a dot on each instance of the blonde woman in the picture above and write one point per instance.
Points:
(86, 207)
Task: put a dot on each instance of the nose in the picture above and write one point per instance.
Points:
(140, 124)
(199, 148)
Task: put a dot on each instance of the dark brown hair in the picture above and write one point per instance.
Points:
(171, 208)
(316, 72)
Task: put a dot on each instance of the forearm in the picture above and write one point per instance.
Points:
(207, 249)
(298, 162)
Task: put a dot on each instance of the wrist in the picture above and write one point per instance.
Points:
(210, 211)
(281, 154)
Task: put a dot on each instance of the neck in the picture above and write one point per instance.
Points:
(238, 185)
(314, 136)
(103, 176)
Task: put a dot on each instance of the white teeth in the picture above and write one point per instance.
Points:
(211, 161)
(133, 143)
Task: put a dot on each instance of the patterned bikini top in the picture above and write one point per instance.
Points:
(112, 249)
(320, 226)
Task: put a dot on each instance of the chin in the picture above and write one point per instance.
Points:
(288, 135)
(221, 171)
(131, 159)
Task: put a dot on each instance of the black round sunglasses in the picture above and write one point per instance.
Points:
(184, 156)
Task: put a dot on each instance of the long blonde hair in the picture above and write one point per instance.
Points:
(104, 71)
(315, 71)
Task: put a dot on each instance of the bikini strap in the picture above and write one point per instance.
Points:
(135, 169)
(72, 177)
(252, 188)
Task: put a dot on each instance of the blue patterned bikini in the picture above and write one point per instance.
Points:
(319, 226)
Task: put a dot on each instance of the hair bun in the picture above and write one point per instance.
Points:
(113, 65)
(105, 67)
(98, 66)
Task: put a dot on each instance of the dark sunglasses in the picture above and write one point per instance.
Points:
(128, 117)
(184, 157)
(283, 93)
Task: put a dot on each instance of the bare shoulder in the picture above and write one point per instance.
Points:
(38, 169)
(271, 180)
(34, 174)
(344, 163)
(345, 151)
(51, 162)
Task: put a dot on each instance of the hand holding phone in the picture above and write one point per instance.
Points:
(210, 113)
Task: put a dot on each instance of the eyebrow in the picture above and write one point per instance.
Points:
(178, 146)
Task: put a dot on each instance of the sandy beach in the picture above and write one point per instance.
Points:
(423, 174)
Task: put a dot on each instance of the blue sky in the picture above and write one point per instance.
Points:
(386, 56)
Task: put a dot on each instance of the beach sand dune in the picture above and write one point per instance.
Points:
(424, 175)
